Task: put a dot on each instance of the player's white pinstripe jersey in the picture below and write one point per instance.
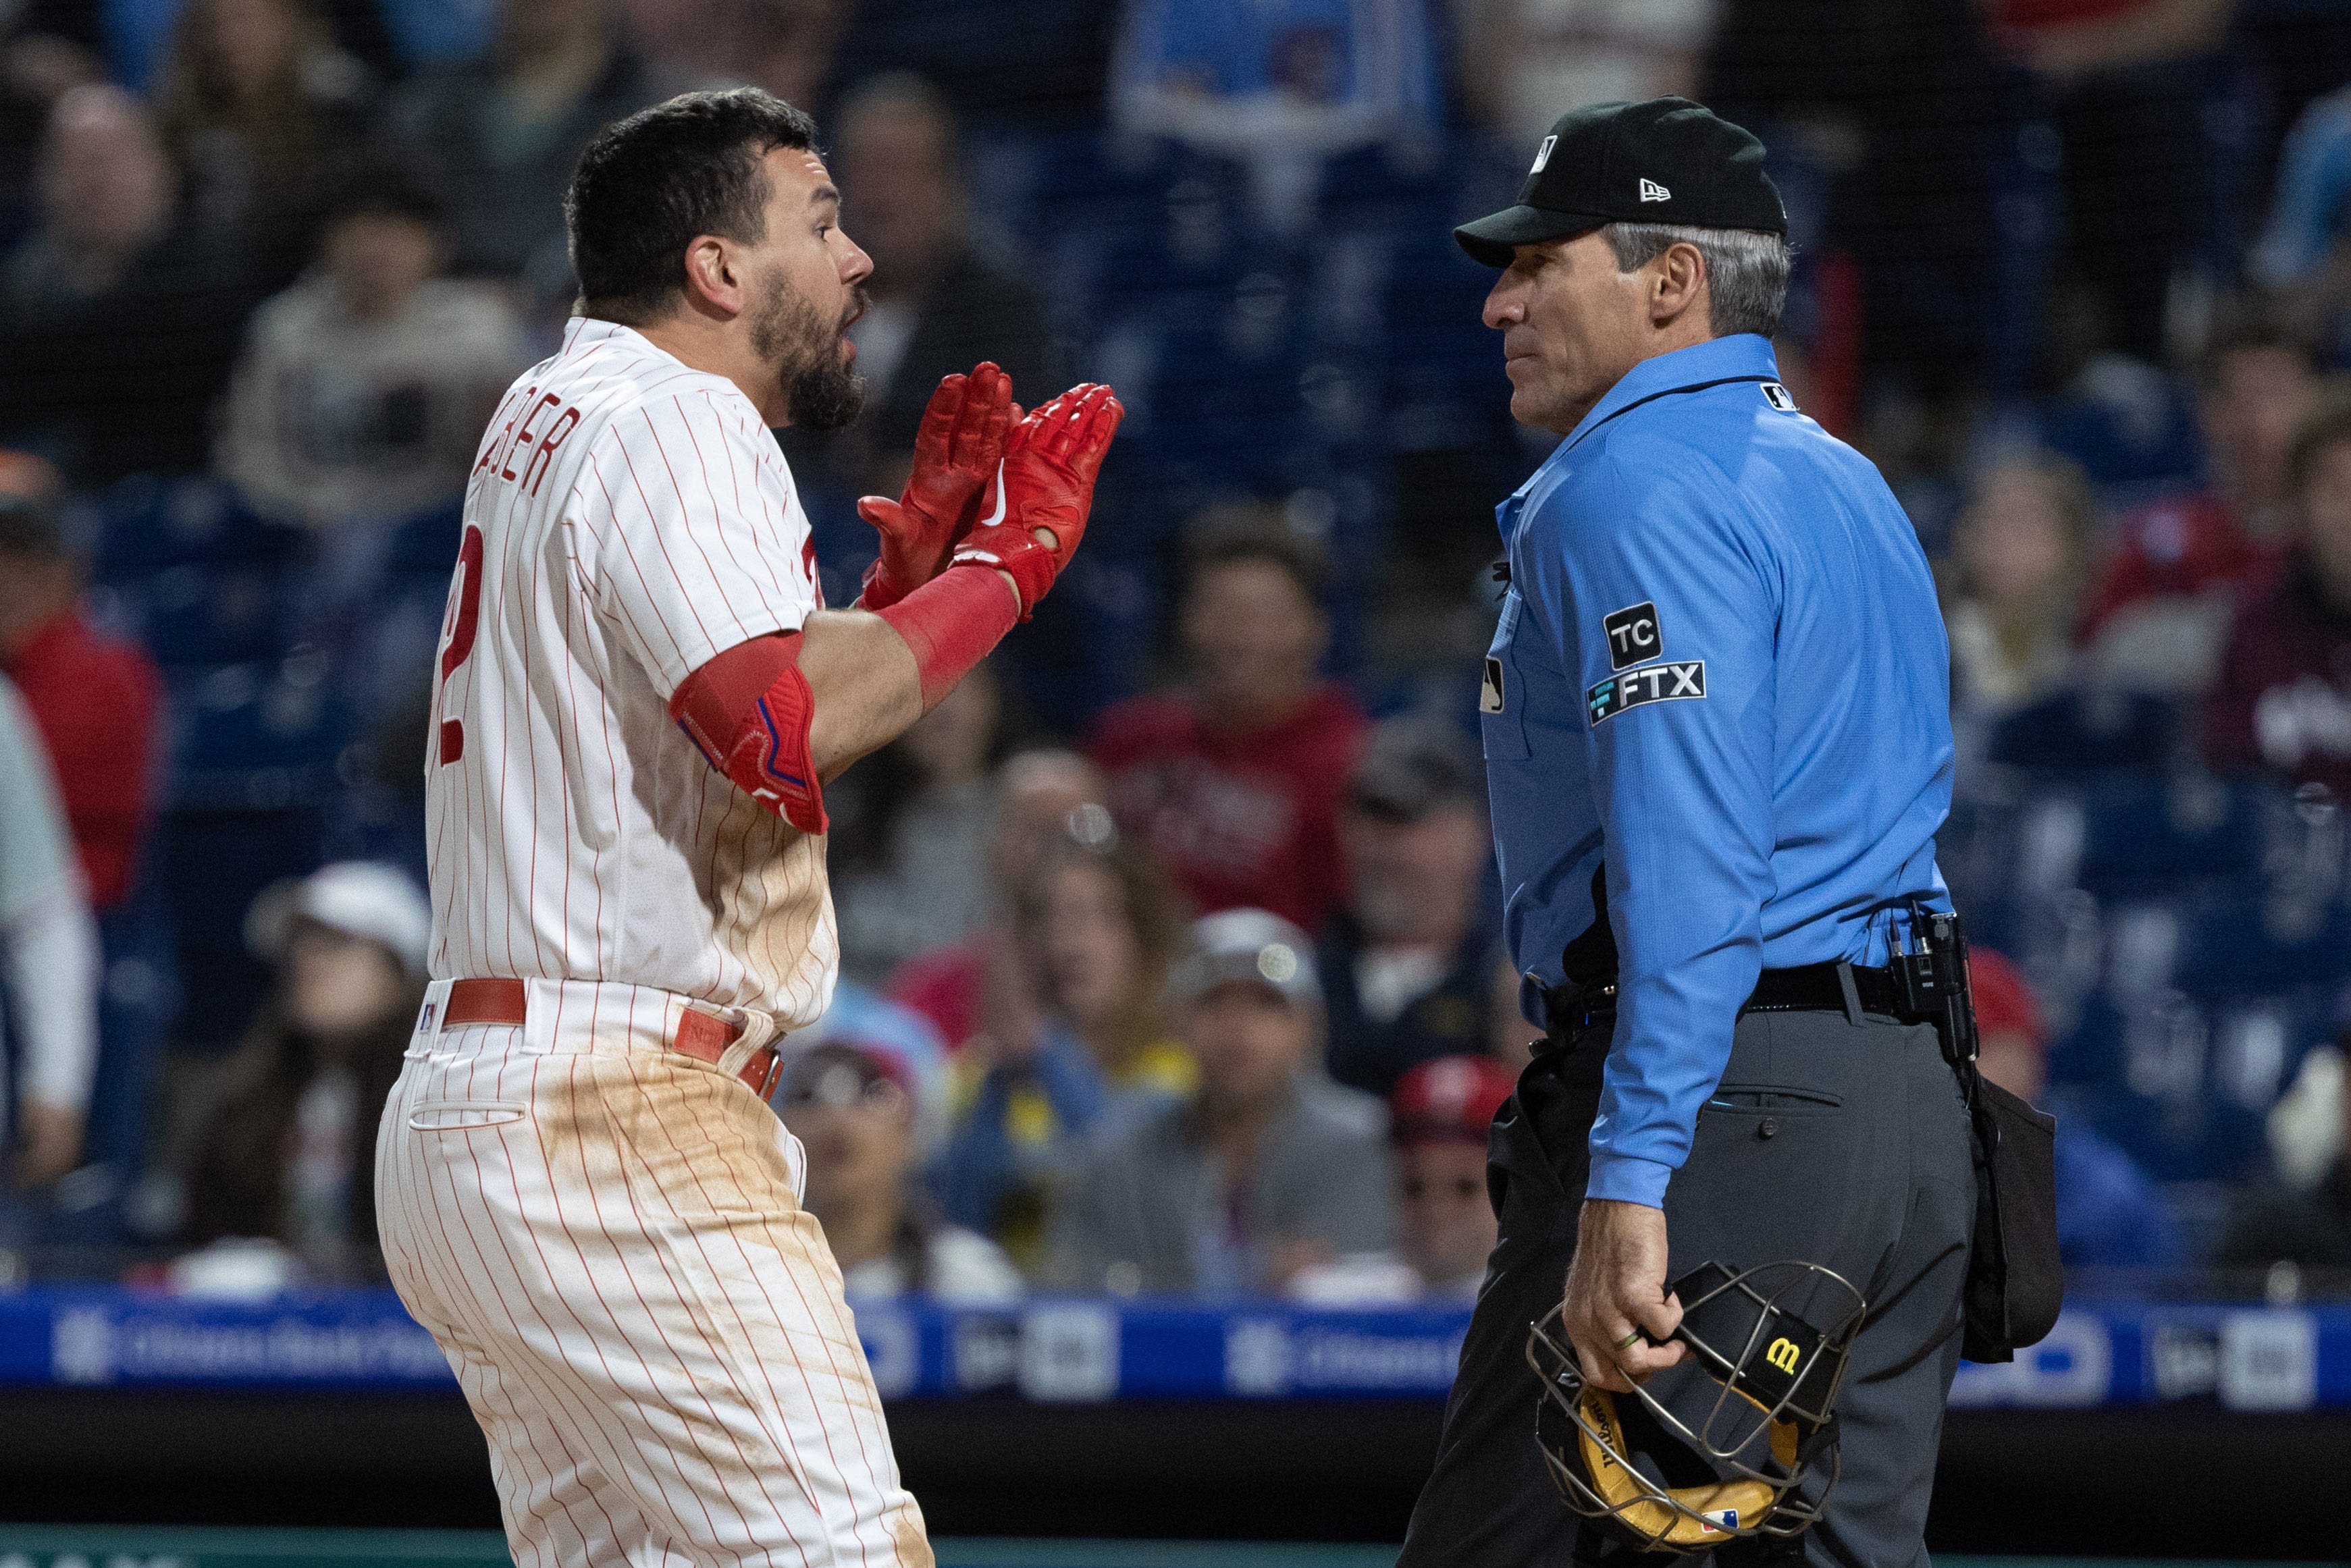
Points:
(628, 519)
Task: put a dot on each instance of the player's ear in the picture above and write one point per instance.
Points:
(714, 280)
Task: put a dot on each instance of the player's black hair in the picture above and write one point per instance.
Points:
(647, 185)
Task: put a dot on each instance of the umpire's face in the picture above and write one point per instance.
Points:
(1572, 324)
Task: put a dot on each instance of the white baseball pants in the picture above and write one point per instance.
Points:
(605, 1237)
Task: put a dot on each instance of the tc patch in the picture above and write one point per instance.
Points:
(1779, 396)
(1489, 690)
(1632, 635)
(1635, 688)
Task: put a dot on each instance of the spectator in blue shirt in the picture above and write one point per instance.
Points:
(2110, 1214)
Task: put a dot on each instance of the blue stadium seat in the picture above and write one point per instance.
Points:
(214, 863)
(428, 542)
(256, 755)
(2257, 945)
(255, 737)
(1446, 389)
(2085, 732)
(387, 655)
(216, 613)
(2146, 834)
(2187, 1138)
(146, 523)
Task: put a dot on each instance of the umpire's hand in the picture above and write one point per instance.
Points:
(1619, 1316)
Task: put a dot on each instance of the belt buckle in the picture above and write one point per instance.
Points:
(766, 1085)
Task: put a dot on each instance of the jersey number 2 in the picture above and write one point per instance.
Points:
(464, 619)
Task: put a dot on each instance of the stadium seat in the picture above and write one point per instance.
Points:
(225, 612)
(2261, 944)
(256, 736)
(216, 862)
(2147, 834)
(2088, 733)
(428, 542)
(146, 523)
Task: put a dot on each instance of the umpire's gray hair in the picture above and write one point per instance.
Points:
(1746, 269)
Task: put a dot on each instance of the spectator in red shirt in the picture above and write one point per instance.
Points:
(1236, 778)
(2282, 703)
(2176, 568)
(94, 698)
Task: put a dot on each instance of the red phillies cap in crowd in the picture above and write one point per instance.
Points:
(2004, 1000)
(1452, 1099)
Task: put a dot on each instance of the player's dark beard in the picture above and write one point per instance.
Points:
(788, 332)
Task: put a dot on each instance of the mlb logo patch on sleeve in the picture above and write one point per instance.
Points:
(1489, 690)
(1638, 688)
(1779, 396)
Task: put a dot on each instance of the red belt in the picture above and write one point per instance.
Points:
(699, 1034)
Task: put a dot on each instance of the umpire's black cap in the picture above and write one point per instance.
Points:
(1667, 161)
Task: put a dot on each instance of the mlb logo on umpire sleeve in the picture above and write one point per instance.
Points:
(1489, 690)
(1633, 637)
(1779, 396)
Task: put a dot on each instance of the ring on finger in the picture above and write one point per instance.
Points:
(1629, 1340)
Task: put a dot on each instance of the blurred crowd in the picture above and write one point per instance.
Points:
(1170, 941)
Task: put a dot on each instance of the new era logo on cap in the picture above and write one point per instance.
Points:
(1543, 154)
(1653, 192)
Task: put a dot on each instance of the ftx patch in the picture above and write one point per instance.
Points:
(1636, 687)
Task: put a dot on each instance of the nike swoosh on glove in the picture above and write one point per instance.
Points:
(1044, 491)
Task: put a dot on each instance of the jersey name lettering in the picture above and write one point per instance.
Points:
(541, 427)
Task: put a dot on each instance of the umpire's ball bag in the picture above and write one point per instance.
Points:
(2015, 1285)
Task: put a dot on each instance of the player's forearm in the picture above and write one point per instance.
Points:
(782, 715)
(866, 686)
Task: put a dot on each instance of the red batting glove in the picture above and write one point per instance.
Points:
(1046, 490)
(956, 451)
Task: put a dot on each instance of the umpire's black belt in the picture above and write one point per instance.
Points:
(1823, 988)
(1850, 989)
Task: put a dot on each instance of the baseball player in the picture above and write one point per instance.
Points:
(580, 1189)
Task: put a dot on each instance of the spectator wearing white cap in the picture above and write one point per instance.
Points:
(1267, 1169)
(866, 1103)
(285, 1158)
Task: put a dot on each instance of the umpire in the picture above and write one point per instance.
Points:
(1718, 748)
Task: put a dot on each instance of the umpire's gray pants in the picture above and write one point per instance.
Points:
(1840, 1144)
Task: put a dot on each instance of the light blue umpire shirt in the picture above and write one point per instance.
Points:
(1720, 674)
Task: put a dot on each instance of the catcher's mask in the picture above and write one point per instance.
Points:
(1717, 1448)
